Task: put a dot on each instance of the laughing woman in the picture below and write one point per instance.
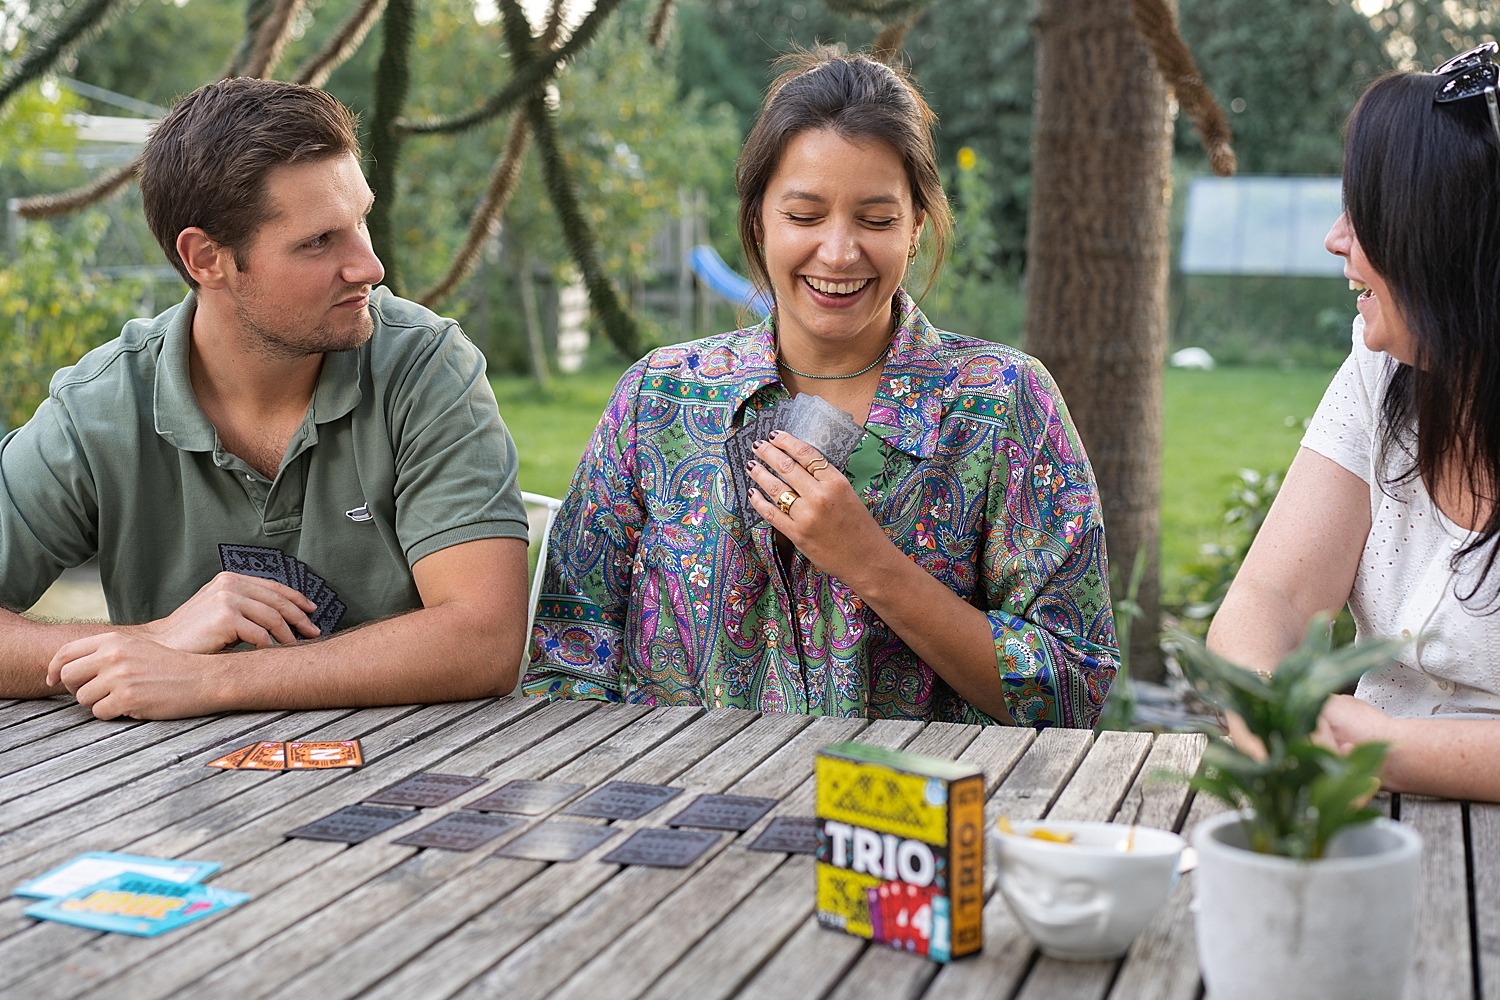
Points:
(953, 568)
(1390, 505)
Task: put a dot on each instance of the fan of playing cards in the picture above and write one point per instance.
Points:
(807, 417)
(274, 564)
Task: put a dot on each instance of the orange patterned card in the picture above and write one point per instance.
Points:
(266, 757)
(343, 753)
(235, 759)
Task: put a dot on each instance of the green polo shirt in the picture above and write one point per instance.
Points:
(120, 462)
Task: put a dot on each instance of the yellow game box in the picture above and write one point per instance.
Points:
(900, 855)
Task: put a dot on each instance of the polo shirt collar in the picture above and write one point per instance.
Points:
(180, 420)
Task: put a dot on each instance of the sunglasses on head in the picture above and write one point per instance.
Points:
(1471, 74)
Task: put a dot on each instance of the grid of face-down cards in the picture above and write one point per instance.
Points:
(274, 564)
(514, 804)
(807, 417)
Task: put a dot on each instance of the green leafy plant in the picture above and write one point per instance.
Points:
(1299, 793)
(1206, 581)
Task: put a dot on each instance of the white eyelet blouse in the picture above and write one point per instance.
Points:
(1405, 586)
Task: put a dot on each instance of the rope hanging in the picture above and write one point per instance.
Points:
(1157, 24)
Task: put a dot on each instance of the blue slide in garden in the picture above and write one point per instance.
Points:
(722, 279)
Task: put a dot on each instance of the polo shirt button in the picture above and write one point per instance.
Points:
(1455, 545)
(1406, 633)
(250, 476)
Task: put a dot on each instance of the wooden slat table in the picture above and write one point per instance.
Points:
(378, 919)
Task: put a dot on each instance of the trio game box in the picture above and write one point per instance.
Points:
(900, 855)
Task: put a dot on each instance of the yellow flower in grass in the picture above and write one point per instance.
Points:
(967, 159)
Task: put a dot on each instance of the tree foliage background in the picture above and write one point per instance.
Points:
(505, 144)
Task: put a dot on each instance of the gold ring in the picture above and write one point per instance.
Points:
(786, 500)
(817, 465)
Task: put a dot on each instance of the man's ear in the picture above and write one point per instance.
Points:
(204, 259)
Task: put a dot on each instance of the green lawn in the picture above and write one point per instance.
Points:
(1215, 423)
(552, 427)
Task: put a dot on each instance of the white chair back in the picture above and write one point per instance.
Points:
(541, 511)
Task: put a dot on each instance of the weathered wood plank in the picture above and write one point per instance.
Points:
(42, 945)
(50, 841)
(996, 750)
(119, 786)
(1442, 966)
(1148, 796)
(740, 942)
(544, 960)
(648, 947)
(245, 833)
(14, 711)
(430, 911)
(625, 900)
(65, 753)
(70, 831)
(1041, 774)
(813, 958)
(1163, 961)
(25, 721)
(1484, 847)
(1119, 775)
(1099, 785)
(1031, 787)
(373, 944)
(489, 937)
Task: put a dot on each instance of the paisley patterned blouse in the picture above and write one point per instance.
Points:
(656, 591)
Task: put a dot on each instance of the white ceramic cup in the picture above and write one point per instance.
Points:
(1087, 899)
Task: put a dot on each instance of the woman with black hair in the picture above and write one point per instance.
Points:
(1390, 505)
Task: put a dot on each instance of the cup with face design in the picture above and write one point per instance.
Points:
(1083, 891)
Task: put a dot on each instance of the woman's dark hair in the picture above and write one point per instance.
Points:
(1422, 189)
(861, 99)
(205, 164)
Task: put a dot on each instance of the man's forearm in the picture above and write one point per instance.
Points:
(27, 645)
(445, 653)
(464, 643)
(429, 655)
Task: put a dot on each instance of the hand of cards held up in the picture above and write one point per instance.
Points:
(807, 417)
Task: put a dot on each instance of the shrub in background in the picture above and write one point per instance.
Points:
(54, 308)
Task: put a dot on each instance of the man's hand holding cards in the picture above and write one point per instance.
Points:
(273, 564)
(811, 419)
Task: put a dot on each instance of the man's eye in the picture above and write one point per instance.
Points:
(317, 242)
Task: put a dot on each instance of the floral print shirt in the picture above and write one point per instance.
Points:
(657, 592)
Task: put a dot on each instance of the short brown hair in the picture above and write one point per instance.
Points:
(862, 100)
(205, 163)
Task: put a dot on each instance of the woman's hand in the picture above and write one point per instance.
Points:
(823, 516)
(815, 508)
(1344, 722)
(1347, 721)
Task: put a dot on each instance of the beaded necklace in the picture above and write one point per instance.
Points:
(879, 358)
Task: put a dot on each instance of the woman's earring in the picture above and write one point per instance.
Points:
(912, 253)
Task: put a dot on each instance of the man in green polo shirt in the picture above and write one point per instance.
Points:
(289, 452)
